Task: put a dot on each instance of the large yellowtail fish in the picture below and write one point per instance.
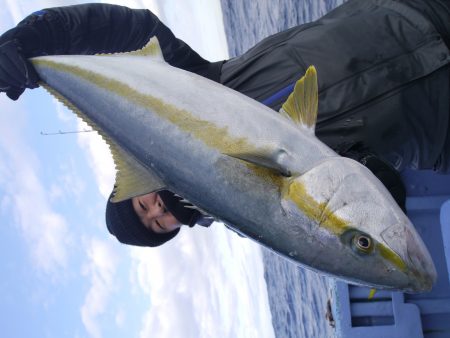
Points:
(264, 174)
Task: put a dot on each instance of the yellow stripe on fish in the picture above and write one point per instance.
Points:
(212, 135)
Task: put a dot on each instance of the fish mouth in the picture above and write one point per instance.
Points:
(418, 265)
(422, 271)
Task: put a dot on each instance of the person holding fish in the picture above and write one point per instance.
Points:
(384, 80)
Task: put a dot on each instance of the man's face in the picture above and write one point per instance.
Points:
(153, 214)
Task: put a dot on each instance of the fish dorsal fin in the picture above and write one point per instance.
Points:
(302, 104)
(273, 160)
(152, 49)
(132, 179)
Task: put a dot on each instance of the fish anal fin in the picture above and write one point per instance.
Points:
(132, 179)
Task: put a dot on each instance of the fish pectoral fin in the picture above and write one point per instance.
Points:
(302, 104)
(132, 179)
(152, 49)
(270, 160)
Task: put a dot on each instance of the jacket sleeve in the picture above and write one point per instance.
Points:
(103, 28)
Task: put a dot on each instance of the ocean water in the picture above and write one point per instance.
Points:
(297, 297)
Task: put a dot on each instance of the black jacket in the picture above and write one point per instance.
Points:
(383, 68)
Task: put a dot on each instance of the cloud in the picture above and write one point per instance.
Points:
(101, 271)
(204, 283)
(15, 10)
(68, 185)
(45, 231)
(202, 29)
(120, 318)
(99, 159)
(62, 112)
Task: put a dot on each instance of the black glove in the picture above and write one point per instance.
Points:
(16, 72)
(384, 172)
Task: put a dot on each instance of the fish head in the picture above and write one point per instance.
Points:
(357, 230)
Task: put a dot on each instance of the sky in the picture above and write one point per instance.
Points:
(62, 274)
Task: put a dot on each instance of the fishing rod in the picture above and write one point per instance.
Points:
(60, 132)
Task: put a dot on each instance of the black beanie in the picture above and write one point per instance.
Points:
(123, 222)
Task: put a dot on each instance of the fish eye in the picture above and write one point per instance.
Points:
(362, 243)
